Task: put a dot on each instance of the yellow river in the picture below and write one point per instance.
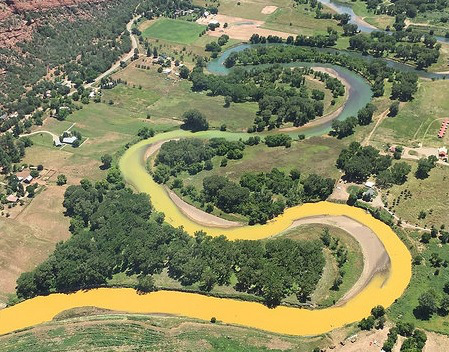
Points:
(382, 289)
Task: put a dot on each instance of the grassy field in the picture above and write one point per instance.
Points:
(176, 96)
(177, 31)
(360, 9)
(313, 155)
(429, 195)
(323, 295)
(424, 278)
(299, 20)
(90, 329)
(418, 121)
(30, 237)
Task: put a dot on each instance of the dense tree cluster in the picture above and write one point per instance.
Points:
(319, 40)
(404, 86)
(359, 163)
(157, 8)
(193, 155)
(281, 93)
(405, 45)
(11, 151)
(259, 196)
(374, 70)
(81, 47)
(406, 8)
(112, 233)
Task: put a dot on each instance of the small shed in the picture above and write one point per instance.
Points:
(28, 179)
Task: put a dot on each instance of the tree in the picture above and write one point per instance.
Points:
(106, 159)
(424, 166)
(378, 311)
(145, 284)
(61, 180)
(145, 132)
(195, 121)
(26, 288)
(394, 109)
(365, 115)
(367, 323)
(444, 305)
(399, 172)
(427, 304)
(184, 72)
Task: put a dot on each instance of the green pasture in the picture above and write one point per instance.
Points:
(177, 31)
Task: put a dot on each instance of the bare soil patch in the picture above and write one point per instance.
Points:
(268, 10)
(239, 28)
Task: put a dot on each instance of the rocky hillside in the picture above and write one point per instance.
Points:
(17, 21)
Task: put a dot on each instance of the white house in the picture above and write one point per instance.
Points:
(369, 184)
(69, 140)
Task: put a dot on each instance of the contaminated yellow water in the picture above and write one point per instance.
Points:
(381, 290)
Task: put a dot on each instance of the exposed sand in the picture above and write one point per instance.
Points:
(198, 215)
(190, 211)
(268, 10)
(239, 28)
(331, 116)
(375, 258)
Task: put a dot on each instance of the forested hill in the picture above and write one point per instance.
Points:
(82, 41)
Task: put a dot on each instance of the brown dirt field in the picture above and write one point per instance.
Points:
(365, 342)
(28, 240)
(436, 343)
(268, 10)
(239, 28)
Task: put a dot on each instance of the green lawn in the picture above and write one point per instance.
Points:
(430, 195)
(299, 20)
(313, 155)
(418, 121)
(92, 329)
(424, 278)
(177, 31)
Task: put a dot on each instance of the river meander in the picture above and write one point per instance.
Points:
(383, 288)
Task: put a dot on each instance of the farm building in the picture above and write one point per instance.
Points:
(69, 140)
(443, 129)
(28, 179)
(442, 153)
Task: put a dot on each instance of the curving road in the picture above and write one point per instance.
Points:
(125, 57)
